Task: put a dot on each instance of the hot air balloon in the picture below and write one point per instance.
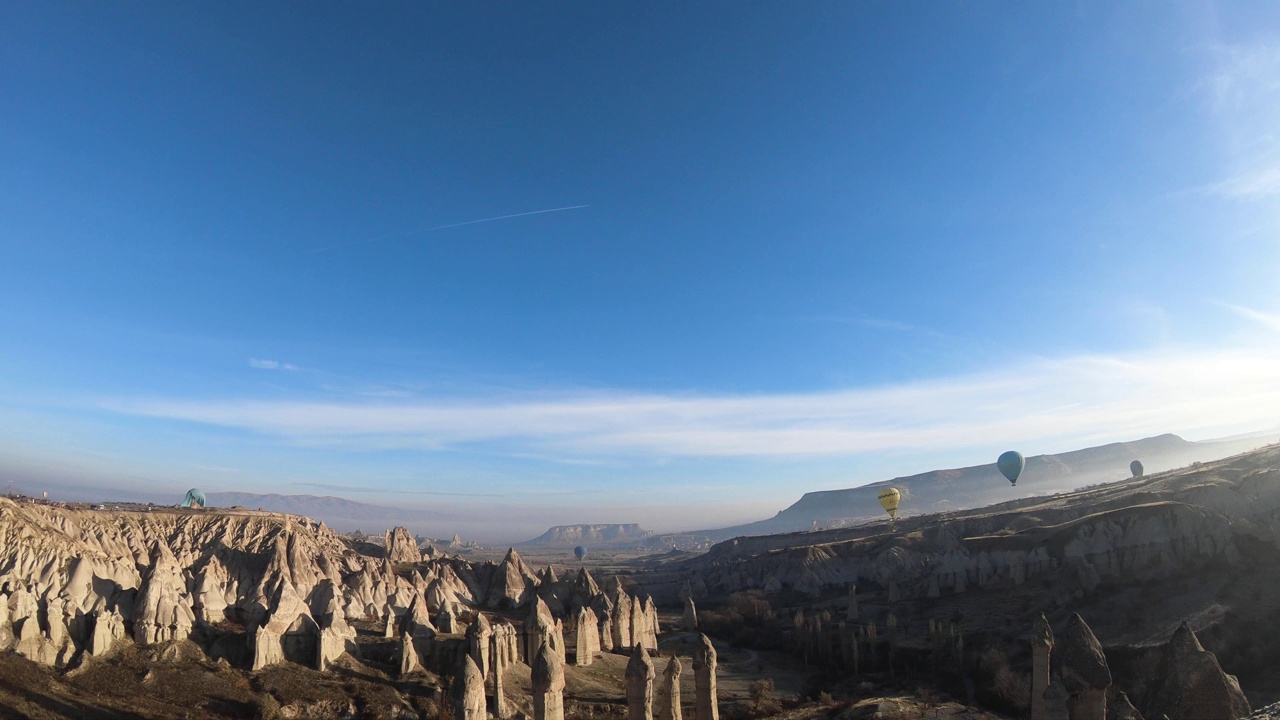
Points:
(1010, 465)
(889, 498)
(194, 498)
(1135, 467)
(580, 552)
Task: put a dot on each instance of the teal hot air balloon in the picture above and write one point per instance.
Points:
(194, 498)
(580, 552)
(1010, 465)
(1135, 467)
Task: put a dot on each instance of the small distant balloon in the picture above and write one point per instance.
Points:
(580, 552)
(1010, 464)
(1135, 467)
(889, 498)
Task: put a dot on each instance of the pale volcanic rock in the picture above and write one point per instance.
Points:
(478, 640)
(210, 597)
(401, 547)
(670, 707)
(163, 609)
(587, 637)
(585, 590)
(621, 620)
(1192, 684)
(512, 583)
(1082, 668)
(690, 619)
(288, 615)
(6, 625)
(707, 706)
(547, 682)
(438, 598)
(447, 622)
(498, 658)
(468, 692)
(417, 622)
(639, 680)
(108, 629)
(408, 655)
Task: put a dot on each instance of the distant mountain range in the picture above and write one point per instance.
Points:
(336, 512)
(590, 535)
(970, 487)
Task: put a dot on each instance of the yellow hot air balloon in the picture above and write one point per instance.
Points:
(889, 498)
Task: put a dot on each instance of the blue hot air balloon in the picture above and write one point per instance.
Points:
(194, 498)
(580, 552)
(1135, 467)
(1010, 465)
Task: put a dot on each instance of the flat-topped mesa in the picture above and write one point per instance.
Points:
(162, 611)
(468, 692)
(1082, 667)
(704, 680)
(670, 707)
(401, 547)
(547, 682)
(1041, 648)
(1192, 683)
(639, 679)
(512, 583)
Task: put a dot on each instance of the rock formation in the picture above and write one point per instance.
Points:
(499, 659)
(670, 707)
(1041, 647)
(478, 641)
(587, 637)
(547, 682)
(690, 620)
(163, 610)
(1192, 684)
(621, 620)
(1121, 709)
(468, 692)
(408, 655)
(639, 679)
(704, 680)
(401, 547)
(511, 584)
(1082, 668)
(851, 613)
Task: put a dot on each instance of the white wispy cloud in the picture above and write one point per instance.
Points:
(1269, 320)
(1051, 401)
(270, 364)
(1243, 90)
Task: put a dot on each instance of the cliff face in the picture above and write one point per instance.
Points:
(590, 535)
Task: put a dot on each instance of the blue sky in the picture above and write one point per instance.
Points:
(791, 247)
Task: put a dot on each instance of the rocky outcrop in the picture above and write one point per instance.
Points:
(478, 641)
(621, 620)
(1192, 684)
(1041, 647)
(409, 660)
(639, 680)
(670, 707)
(499, 657)
(401, 547)
(1121, 709)
(1082, 668)
(690, 619)
(512, 583)
(707, 705)
(586, 636)
(468, 692)
(288, 631)
(547, 683)
(163, 609)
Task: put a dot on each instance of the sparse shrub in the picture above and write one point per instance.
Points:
(999, 685)
(762, 702)
(267, 707)
(825, 698)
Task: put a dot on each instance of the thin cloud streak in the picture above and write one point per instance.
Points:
(1045, 401)
(434, 228)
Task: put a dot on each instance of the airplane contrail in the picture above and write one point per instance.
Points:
(380, 238)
